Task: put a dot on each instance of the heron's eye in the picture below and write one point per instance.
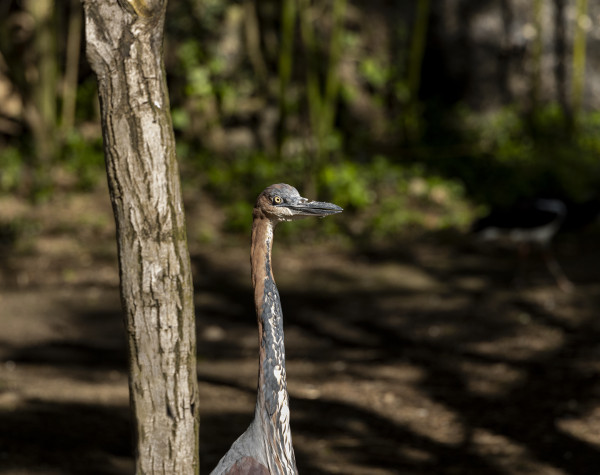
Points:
(277, 200)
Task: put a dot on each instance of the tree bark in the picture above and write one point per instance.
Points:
(69, 90)
(124, 47)
(579, 55)
(43, 77)
(560, 68)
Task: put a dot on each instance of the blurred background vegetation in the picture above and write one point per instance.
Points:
(412, 115)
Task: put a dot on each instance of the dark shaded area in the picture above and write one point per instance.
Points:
(386, 334)
(555, 384)
(476, 100)
(69, 438)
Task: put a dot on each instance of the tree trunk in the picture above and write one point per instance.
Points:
(412, 116)
(69, 90)
(537, 56)
(124, 47)
(322, 101)
(579, 54)
(285, 65)
(43, 77)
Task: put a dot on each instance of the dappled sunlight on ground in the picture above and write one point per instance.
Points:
(414, 359)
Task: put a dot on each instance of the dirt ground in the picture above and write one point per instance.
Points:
(413, 358)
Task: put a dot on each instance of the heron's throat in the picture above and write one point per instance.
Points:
(260, 259)
(272, 409)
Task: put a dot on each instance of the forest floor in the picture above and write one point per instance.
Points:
(417, 358)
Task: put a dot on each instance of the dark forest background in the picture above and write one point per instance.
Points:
(411, 115)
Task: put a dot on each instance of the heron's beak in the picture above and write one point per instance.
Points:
(313, 208)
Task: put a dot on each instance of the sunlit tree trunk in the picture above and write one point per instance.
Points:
(412, 114)
(40, 109)
(332, 78)
(322, 100)
(124, 46)
(582, 25)
(536, 55)
(252, 36)
(69, 92)
(560, 52)
(285, 63)
(417, 47)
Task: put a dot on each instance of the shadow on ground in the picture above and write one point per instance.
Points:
(417, 361)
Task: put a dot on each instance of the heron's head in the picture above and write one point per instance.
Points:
(282, 202)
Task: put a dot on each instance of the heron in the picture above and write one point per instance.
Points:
(265, 448)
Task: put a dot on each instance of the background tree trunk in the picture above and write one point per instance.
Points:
(42, 76)
(582, 25)
(560, 67)
(537, 55)
(124, 47)
(70, 79)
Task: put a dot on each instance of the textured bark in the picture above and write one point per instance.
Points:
(124, 47)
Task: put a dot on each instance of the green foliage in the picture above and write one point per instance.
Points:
(11, 172)
(197, 69)
(349, 184)
(538, 154)
(84, 160)
(374, 72)
(342, 111)
(387, 199)
(18, 234)
(323, 96)
(496, 158)
(380, 198)
(87, 100)
(235, 183)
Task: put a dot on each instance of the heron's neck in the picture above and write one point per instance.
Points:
(272, 410)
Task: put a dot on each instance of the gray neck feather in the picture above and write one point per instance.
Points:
(268, 440)
(272, 415)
